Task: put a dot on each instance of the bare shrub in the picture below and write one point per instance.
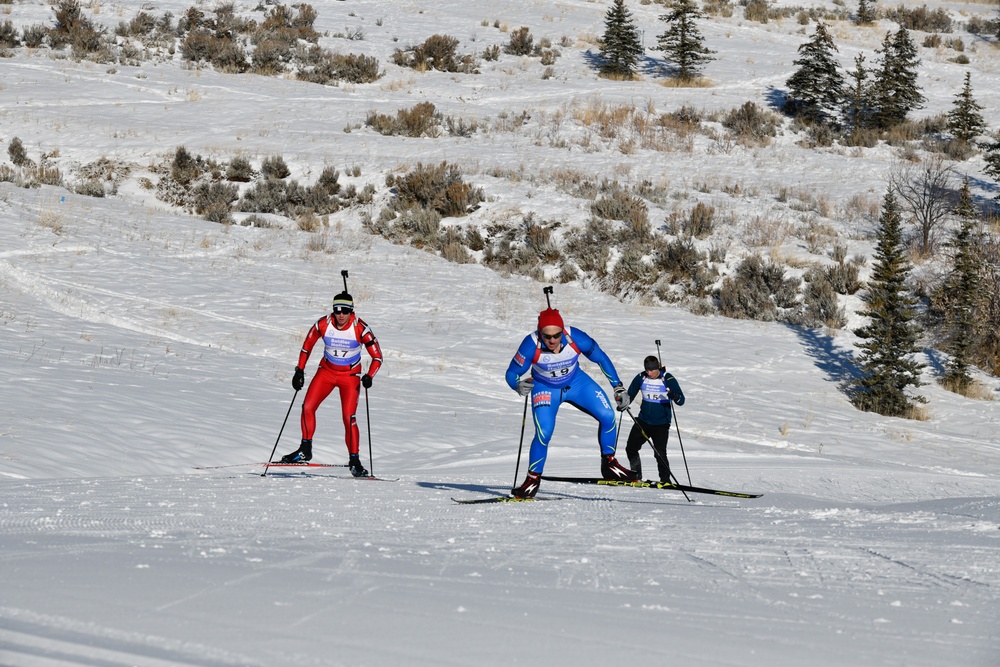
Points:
(273, 166)
(589, 245)
(323, 67)
(437, 52)
(267, 196)
(631, 274)
(820, 303)
(521, 42)
(213, 201)
(34, 35)
(8, 35)
(764, 231)
(921, 18)
(42, 174)
(269, 57)
(419, 121)
(185, 167)
(844, 277)
(700, 221)
(751, 124)
(90, 188)
(756, 10)
(977, 25)
(621, 205)
(861, 137)
(239, 170)
(679, 259)
(491, 53)
(440, 188)
(73, 28)
(18, 155)
(757, 291)
(308, 221)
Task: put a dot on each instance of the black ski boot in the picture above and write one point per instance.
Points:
(635, 463)
(354, 465)
(303, 454)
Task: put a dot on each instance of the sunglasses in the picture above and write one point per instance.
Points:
(552, 336)
(342, 310)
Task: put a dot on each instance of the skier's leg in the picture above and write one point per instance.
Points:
(660, 433)
(544, 407)
(587, 395)
(319, 388)
(350, 390)
(632, 447)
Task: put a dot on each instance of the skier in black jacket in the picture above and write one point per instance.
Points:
(658, 389)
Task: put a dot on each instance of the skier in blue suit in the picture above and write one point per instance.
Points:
(552, 354)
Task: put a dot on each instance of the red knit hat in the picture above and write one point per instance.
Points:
(549, 317)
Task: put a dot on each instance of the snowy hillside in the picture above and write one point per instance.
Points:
(138, 343)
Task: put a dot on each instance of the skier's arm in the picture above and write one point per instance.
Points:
(371, 344)
(633, 388)
(674, 389)
(590, 349)
(315, 333)
(521, 362)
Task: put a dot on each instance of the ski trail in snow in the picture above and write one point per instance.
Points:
(28, 638)
(42, 288)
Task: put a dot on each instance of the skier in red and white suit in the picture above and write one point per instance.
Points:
(343, 333)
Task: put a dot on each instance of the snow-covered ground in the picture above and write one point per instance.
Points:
(134, 351)
(137, 344)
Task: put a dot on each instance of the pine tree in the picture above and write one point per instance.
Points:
(895, 88)
(964, 288)
(621, 46)
(991, 153)
(866, 13)
(965, 120)
(891, 333)
(682, 41)
(817, 88)
(858, 108)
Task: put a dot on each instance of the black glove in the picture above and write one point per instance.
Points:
(298, 379)
(366, 381)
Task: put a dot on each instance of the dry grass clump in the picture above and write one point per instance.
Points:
(635, 127)
(974, 389)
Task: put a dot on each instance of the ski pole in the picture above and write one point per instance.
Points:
(524, 420)
(343, 274)
(368, 421)
(547, 291)
(656, 454)
(681, 442)
(275, 448)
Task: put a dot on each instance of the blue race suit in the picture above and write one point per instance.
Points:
(558, 378)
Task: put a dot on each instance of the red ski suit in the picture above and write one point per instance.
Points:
(340, 369)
